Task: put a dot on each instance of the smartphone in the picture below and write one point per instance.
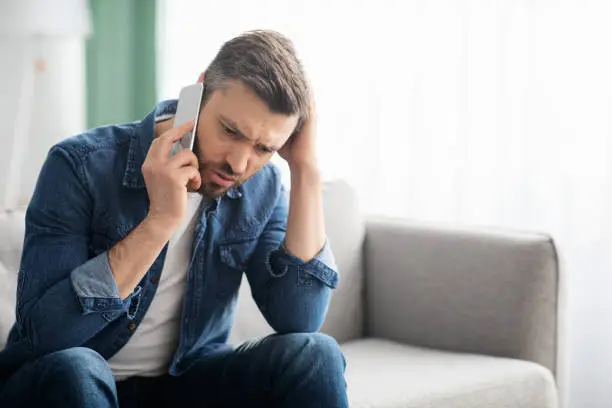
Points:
(190, 100)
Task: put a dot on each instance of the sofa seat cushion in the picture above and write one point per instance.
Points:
(384, 374)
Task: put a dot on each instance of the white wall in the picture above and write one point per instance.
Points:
(58, 109)
(493, 112)
(10, 76)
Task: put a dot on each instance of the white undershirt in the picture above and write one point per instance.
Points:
(150, 350)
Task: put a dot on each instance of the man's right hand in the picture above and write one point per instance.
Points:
(169, 178)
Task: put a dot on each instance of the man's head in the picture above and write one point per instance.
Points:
(256, 95)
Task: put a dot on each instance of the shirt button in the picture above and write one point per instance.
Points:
(132, 326)
(155, 280)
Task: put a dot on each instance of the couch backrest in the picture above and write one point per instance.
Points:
(12, 228)
(470, 290)
(11, 240)
(345, 231)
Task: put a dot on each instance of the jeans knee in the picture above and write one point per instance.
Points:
(78, 363)
(316, 348)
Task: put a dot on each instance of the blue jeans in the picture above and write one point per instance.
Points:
(291, 370)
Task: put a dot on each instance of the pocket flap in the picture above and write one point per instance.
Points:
(236, 255)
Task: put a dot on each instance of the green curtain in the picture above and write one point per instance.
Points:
(121, 61)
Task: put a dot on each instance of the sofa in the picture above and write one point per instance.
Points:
(427, 316)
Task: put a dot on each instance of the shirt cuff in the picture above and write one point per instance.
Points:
(322, 266)
(326, 256)
(95, 286)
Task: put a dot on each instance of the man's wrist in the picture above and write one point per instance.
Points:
(130, 258)
(305, 172)
(159, 227)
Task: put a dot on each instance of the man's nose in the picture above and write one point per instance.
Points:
(238, 159)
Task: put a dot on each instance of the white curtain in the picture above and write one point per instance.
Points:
(42, 83)
(42, 102)
(476, 112)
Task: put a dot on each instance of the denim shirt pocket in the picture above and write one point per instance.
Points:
(234, 257)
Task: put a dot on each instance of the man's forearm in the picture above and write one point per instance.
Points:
(305, 234)
(131, 258)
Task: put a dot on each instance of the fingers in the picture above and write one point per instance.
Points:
(178, 132)
(195, 183)
(184, 158)
(189, 175)
(162, 145)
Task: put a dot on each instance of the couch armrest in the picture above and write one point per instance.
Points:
(484, 292)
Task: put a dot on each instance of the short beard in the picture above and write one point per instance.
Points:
(212, 190)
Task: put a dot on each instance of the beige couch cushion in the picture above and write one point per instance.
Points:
(345, 230)
(384, 374)
(463, 289)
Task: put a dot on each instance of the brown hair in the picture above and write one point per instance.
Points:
(266, 62)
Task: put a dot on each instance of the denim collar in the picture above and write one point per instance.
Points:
(140, 142)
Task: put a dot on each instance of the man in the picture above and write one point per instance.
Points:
(132, 258)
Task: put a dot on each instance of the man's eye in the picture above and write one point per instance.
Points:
(264, 150)
(229, 131)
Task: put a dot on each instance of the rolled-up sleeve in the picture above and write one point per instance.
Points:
(322, 266)
(293, 295)
(96, 288)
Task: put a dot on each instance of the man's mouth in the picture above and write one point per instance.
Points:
(222, 179)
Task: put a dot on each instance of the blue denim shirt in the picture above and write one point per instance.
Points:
(90, 194)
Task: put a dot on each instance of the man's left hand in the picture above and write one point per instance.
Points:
(300, 149)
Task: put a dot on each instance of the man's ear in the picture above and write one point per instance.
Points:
(201, 78)
(298, 127)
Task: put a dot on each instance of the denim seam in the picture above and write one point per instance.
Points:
(76, 165)
(322, 272)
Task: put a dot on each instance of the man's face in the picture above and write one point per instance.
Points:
(236, 136)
